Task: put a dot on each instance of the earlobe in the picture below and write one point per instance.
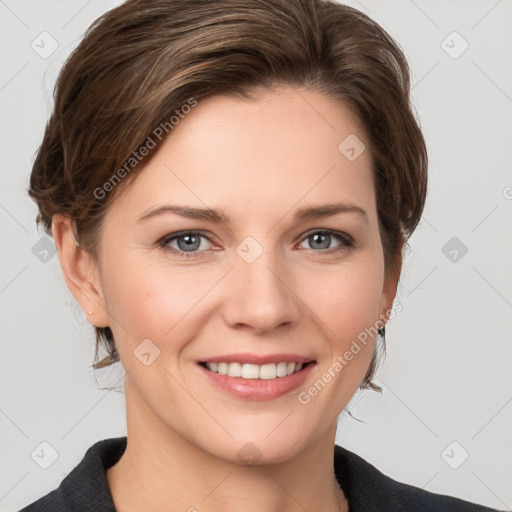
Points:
(80, 272)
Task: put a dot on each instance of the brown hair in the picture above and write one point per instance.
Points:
(141, 62)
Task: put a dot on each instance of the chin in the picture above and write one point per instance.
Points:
(254, 447)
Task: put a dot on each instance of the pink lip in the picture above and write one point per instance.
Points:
(258, 359)
(257, 389)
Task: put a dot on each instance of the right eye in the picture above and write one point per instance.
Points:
(187, 244)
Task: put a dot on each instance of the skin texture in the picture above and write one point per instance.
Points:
(258, 162)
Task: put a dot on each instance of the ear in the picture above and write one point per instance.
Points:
(80, 272)
(389, 290)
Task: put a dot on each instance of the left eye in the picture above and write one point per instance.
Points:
(323, 239)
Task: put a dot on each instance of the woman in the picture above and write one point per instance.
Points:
(230, 185)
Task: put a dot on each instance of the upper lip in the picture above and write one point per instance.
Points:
(258, 359)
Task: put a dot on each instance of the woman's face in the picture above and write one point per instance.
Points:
(257, 285)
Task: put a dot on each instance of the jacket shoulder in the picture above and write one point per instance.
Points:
(51, 502)
(86, 486)
(370, 490)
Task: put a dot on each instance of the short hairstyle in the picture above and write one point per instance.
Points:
(141, 62)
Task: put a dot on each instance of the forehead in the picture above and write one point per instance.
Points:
(284, 148)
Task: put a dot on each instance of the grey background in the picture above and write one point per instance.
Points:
(447, 376)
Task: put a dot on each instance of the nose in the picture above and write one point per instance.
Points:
(260, 295)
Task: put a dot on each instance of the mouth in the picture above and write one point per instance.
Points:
(255, 377)
(255, 371)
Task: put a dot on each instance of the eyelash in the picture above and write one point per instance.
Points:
(347, 242)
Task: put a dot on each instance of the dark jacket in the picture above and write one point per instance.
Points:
(366, 488)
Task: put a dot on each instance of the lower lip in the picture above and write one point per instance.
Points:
(258, 389)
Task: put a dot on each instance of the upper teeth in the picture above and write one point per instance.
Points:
(255, 371)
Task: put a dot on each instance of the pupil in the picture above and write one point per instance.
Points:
(191, 242)
(326, 237)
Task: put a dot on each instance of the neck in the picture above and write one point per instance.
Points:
(164, 471)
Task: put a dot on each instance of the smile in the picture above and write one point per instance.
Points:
(255, 371)
(257, 377)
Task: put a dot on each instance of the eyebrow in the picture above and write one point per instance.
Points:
(219, 217)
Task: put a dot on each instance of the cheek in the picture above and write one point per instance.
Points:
(347, 297)
(347, 300)
(153, 302)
